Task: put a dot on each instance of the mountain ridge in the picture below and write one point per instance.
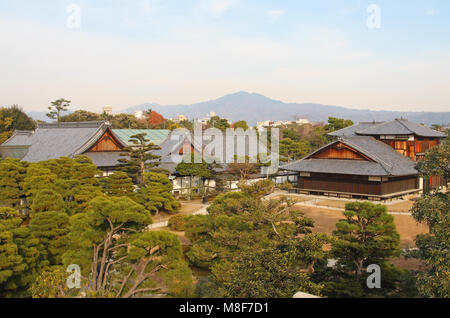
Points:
(254, 107)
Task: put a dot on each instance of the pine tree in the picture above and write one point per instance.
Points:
(433, 210)
(57, 107)
(139, 157)
(11, 263)
(37, 178)
(156, 194)
(119, 184)
(19, 255)
(50, 224)
(12, 174)
(97, 234)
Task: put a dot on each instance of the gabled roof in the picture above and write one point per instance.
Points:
(395, 127)
(50, 141)
(173, 146)
(386, 161)
(156, 136)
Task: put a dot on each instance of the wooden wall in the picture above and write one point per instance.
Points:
(107, 143)
(356, 184)
(412, 148)
(339, 151)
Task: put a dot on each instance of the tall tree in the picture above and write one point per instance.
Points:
(219, 123)
(433, 209)
(95, 236)
(58, 106)
(14, 118)
(337, 124)
(366, 236)
(293, 150)
(139, 157)
(240, 124)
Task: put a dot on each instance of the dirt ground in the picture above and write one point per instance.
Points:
(404, 206)
(400, 207)
(407, 227)
(294, 198)
(326, 220)
(333, 203)
(187, 208)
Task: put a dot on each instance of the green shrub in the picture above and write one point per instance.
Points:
(177, 223)
(286, 186)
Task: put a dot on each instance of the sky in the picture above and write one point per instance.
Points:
(391, 55)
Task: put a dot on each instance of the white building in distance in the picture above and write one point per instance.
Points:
(107, 110)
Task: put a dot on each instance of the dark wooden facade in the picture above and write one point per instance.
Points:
(414, 149)
(357, 185)
(360, 186)
(107, 143)
(340, 151)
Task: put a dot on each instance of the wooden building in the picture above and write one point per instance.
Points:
(407, 138)
(357, 166)
(96, 140)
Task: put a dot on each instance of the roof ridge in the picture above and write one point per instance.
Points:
(400, 121)
(372, 156)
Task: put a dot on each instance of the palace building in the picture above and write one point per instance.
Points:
(368, 160)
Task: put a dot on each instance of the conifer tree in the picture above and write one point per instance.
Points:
(19, 255)
(50, 224)
(11, 263)
(139, 157)
(12, 174)
(119, 184)
(156, 193)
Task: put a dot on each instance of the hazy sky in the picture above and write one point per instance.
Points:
(126, 53)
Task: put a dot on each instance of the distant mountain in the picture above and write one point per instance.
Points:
(39, 116)
(254, 107)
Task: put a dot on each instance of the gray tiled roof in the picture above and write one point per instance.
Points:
(387, 161)
(104, 159)
(50, 141)
(395, 127)
(19, 138)
(351, 131)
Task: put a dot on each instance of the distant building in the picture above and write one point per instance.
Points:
(179, 118)
(139, 114)
(96, 140)
(268, 123)
(108, 110)
(204, 121)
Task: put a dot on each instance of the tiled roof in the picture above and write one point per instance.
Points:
(156, 136)
(395, 127)
(386, 161)
(351, 131)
